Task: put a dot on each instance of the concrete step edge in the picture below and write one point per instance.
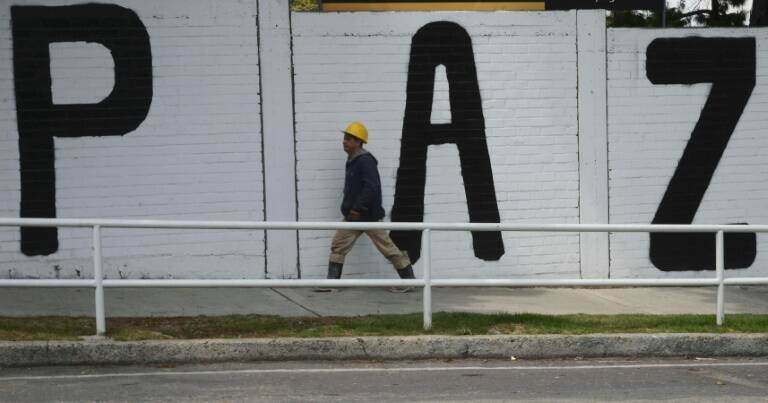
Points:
(109, 352)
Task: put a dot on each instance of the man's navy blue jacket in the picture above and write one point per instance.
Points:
(362, 188)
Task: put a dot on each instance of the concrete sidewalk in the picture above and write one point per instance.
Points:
(362, 301)
(305, 302)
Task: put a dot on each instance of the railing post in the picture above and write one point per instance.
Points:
(426, 257)
(101, 325)
(719, 270)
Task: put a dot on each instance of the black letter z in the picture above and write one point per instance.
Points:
(729, 64)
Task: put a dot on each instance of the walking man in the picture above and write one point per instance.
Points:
(362, 202)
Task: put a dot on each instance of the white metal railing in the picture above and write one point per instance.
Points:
(99, 283)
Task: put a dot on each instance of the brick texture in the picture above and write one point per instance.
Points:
(356, 69)
(197, 155)
(648, 129)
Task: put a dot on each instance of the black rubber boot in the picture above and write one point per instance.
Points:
(405, 274)
(334, 273)
(334, 270)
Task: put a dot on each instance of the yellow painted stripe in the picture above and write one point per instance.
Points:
(436, 6)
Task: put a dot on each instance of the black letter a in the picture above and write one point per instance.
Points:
(447, 44)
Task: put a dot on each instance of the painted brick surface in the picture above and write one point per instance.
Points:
(197, 155)
(356, 69)
(649, 126)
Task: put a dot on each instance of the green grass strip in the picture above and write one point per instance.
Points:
(245, 326)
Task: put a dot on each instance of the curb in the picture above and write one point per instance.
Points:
(108, 352)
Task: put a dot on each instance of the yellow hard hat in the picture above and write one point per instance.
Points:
(358, 130)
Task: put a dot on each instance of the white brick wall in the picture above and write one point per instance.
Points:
(197, 155)
(356, 69)
(648, 128)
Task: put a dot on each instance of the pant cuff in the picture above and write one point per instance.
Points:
(401, 263)
(335, 258)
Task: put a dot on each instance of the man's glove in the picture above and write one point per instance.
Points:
(354, 215)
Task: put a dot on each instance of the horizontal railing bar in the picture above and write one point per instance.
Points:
(196, 283)
(273, 225)
(745, 281)
(263, 283)
(692, 282)
(47, 283)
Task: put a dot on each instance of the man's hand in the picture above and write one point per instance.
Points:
(354, 215)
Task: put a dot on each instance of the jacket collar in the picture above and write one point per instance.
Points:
(362, 152)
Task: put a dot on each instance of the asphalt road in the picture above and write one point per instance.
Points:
(703, 380)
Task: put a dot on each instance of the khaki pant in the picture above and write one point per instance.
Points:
(344, 240)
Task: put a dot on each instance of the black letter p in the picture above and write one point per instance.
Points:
(39, 120)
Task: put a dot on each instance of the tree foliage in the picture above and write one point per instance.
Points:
(646, 19)
(721, 13)
(305, 5)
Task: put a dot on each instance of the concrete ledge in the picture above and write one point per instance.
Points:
(98, 352)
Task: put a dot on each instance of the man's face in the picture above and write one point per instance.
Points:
(350, 144)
